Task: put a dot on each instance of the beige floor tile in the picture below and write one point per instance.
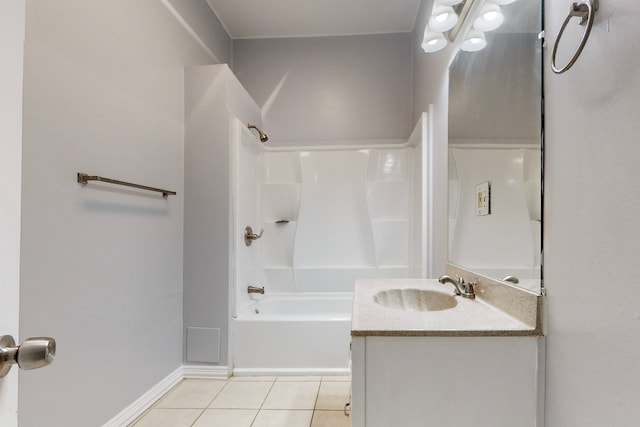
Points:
(226, 418)
(299, 378)
(252, 378)
(192, 394)
(242, 395)
(330, 419)
(169, 418)
(283, 418)
(336, 378)
(292, 395)
(333, 395)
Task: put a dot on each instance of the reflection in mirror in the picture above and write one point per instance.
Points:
(495, 130)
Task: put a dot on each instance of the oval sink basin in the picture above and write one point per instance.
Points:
(415, 299)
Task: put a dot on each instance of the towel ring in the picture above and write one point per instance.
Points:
(586, 11)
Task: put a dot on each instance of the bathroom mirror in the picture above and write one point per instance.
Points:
(495, 151)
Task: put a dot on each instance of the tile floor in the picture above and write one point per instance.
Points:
(253, 402)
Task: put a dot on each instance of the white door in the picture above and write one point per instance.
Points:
(12, 19)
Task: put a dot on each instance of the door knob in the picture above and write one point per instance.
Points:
(32, 354)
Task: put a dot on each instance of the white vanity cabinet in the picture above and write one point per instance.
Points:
(447, 381)
(437, 373)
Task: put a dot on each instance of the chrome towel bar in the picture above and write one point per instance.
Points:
(84, 178)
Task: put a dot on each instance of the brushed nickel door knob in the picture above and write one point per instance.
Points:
(32, 354)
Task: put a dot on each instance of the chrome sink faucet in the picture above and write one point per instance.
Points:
(466, 289)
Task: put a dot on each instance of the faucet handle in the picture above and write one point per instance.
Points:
(250, 236)
(512, 279)
(465, 289)
(469, 287)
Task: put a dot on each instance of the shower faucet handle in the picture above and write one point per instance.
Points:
(250, 236)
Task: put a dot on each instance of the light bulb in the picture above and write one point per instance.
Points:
(432, 41)
(473, 42)
(490, 18)
(443, 19)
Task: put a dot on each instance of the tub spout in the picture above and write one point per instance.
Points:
(255, 290)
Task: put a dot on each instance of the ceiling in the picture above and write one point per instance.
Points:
(309, 18)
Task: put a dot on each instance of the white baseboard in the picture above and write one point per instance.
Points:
(129, 414)
(206, 372)
(243, 372)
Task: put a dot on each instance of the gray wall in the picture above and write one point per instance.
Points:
(591, 236)
(101, 265)
(329, 89)
(493, 99)
(213, 97)
(205, 26)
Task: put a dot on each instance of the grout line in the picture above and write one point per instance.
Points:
(218, 393)
(313, 414)
(263, 400)
(254, 418)
(198, 417)
(210, 402)
(267, 395)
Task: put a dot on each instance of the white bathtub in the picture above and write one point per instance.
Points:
(288, 334)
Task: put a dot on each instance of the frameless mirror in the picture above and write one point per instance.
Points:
(495, 151)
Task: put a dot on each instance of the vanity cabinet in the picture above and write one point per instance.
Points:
(447, 381)
(471, 365)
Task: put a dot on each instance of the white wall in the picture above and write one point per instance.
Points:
(591, 236)
(329, 88)
(102, 265)
(12, 20)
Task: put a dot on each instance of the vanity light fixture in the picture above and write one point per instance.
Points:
(446, 22)
(490, 18)
(443, 19)
(474, 41)
(433, 41)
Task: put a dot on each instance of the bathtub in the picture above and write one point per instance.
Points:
(294, 334)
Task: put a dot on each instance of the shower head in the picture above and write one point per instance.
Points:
(263, 136)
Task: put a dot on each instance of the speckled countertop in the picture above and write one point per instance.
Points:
(469, 317)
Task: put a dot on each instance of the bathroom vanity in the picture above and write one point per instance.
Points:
(422, 357)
